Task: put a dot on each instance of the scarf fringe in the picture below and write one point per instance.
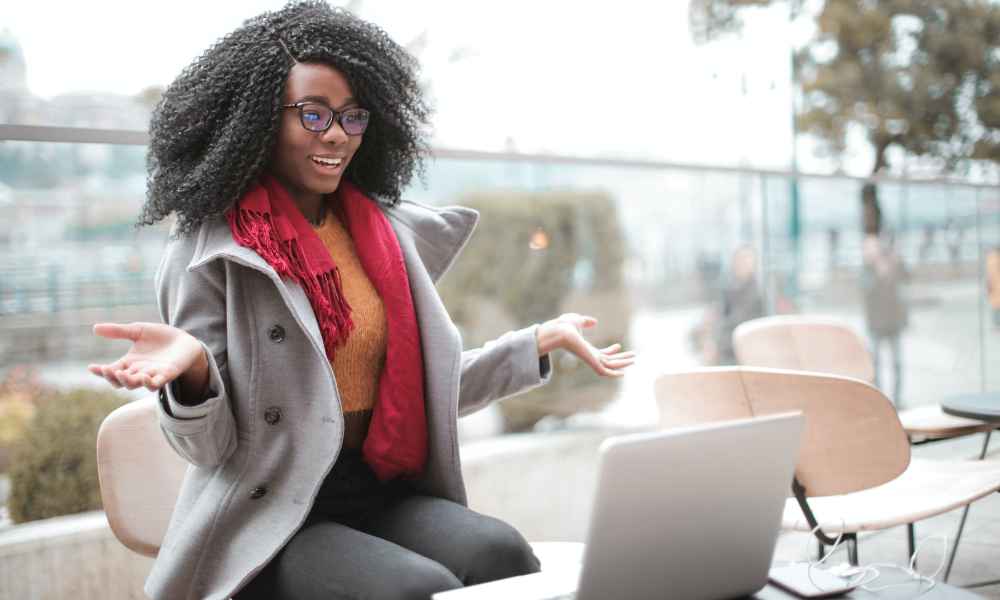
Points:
(257, 231)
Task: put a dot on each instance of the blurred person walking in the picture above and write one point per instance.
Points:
(741, 301)
(886, 312)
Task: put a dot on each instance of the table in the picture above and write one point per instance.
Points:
(564, 560)
(941, 591)
(498, 591)
(983, 406)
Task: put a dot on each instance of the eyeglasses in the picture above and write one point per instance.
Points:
(318, 117)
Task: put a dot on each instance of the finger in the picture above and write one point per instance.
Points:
(611, 348)
(127, 380)
(109, 374)
(95, 369)
(118, 365)
(140, 376)
(613, 373)
(618, 366)
(589, 321)
(146, 374)
(613, 361)
(620, 355)
(118, 331)
(616, 358)
(151, 383)
(159, 380)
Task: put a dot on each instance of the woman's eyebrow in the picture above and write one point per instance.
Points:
(323, 100)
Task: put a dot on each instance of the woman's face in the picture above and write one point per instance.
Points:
(311, 163)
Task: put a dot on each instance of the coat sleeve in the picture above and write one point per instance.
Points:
(203, 432)
(503, 367)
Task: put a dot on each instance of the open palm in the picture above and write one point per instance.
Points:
(606, 362)
(159, 354)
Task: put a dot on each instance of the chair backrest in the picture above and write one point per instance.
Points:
(140, 475)
(852, 440)
(803, 343)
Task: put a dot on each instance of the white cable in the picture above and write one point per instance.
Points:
(870, 573)
(836, 545)
(909, 570)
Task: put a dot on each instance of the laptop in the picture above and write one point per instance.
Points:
(688, 513)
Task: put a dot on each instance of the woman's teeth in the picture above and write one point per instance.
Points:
(327, 162)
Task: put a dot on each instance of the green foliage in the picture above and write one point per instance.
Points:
(535, 255)
(54, 464)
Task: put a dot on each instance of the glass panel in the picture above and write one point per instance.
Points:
(69, 253)
(653, 253)
(989, 254)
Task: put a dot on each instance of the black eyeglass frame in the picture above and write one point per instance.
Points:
(335, 116)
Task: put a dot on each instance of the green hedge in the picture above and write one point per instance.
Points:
(505, 279)
(54, 463)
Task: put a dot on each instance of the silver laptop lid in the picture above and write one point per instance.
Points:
(690, 513)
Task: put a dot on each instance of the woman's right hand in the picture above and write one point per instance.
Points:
(159, 354)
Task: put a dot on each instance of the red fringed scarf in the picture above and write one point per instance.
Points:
(267, 221)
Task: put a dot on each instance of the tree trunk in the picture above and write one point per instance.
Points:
(871, 212)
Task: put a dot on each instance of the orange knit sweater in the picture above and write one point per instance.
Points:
(358, 363)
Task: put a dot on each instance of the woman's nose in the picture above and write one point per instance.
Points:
(335, 134)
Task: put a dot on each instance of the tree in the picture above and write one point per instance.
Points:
(918, 76)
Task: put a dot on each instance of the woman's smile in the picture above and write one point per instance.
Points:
(329, 164)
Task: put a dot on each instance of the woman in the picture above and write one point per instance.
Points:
(307, 368)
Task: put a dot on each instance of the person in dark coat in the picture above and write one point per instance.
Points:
(741, 301)
(886, 311)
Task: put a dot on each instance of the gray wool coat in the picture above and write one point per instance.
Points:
(261, 445)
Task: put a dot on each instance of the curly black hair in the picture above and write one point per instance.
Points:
(215, 128)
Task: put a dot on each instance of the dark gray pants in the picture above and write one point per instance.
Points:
(366, 540)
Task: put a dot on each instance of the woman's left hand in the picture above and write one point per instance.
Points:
(566, 332)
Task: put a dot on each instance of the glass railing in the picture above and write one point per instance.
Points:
(646, 247)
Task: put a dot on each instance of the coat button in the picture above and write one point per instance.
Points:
(276, 334)
(258, 492)
(272, 415)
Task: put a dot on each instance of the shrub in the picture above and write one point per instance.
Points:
(54, 463)
(534, 256)
(20, 392)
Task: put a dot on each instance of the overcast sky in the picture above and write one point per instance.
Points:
(605, 79)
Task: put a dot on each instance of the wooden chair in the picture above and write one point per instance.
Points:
(808, 343)
(140, 475)
(855, 472)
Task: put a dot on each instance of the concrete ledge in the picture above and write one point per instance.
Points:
(74, 556)
(541, 483)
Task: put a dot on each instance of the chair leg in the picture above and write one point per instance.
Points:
(911, 543)
(965, 514)
(986, 445)
(954, 545)
(852, 548)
